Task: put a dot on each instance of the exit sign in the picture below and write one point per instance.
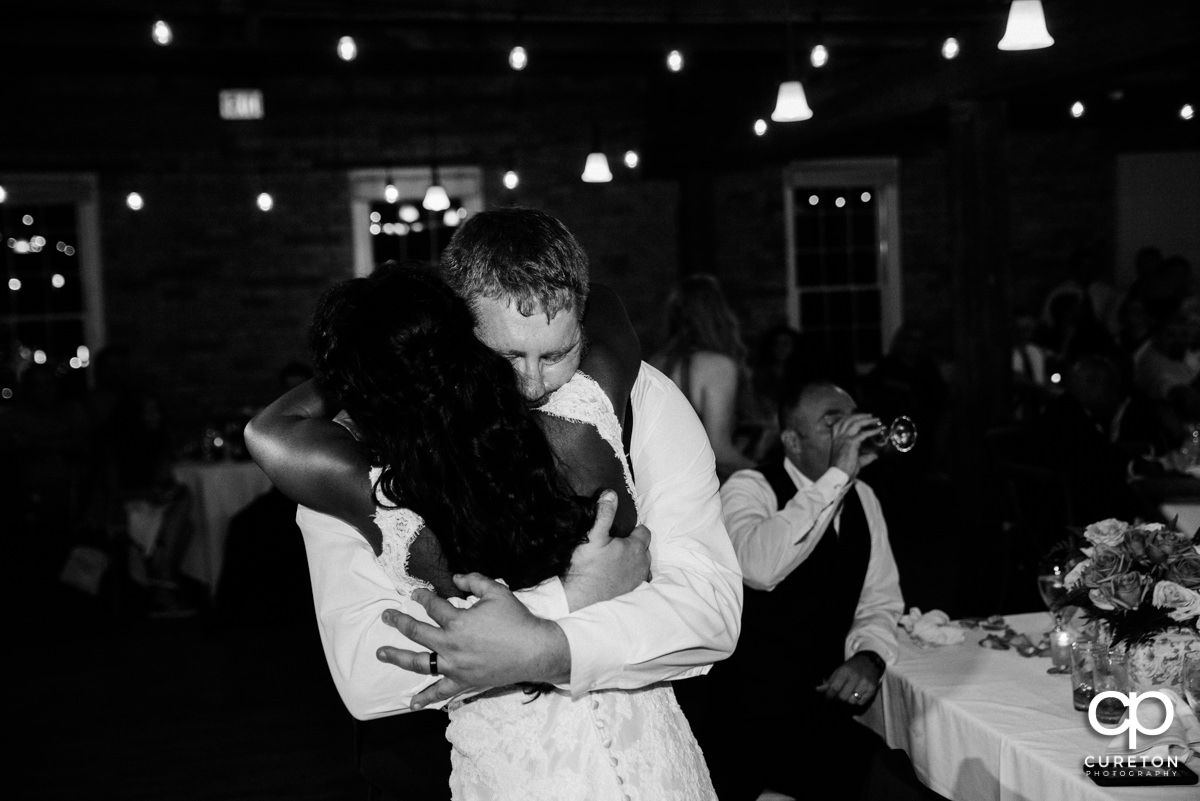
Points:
(241, 104)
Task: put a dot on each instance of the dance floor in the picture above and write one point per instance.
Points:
(141, 709)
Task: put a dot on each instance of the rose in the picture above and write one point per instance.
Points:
(1110, 532)
(1125, 591)
(1184, 570)
(1183, 603)
(1105, 565)
(1162, 545)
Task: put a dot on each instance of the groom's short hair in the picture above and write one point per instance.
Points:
(518, 253)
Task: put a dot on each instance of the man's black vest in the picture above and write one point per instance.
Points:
(799, 629)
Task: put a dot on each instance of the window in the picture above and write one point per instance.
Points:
(843, 255)
(405, 230)
(53, 310)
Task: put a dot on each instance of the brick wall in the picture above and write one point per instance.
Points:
(214, 296)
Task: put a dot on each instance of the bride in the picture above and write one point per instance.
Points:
(443, 468)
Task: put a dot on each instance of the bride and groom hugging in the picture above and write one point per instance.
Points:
(457, 534)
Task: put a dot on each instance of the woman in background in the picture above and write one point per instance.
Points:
(705, 356)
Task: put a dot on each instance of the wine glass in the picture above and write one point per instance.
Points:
(1052, 587)
(901, 434)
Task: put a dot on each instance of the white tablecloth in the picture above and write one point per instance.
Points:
(219, 491)
(986, 725)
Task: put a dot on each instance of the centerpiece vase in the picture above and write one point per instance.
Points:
(1157, 662)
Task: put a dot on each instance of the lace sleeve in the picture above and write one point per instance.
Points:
(400, 528)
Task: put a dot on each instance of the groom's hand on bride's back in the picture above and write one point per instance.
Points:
(604, 567)
(498, 641)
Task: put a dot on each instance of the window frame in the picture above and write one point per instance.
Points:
(883, 175)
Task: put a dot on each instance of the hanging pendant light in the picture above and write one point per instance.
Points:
(595, 170)
(791, 104)
(1026, 27)
(436, 198)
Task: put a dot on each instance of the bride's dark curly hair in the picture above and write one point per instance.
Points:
(441, 413)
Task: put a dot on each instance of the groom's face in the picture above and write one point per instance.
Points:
(545, 353)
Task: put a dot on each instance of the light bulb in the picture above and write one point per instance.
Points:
(631, 159)
(511, 179)
(58, 281)
(265, 201)
(408, 213)
(450, 218)
(950, 48)
(674, 61)
(390, 193)
(819, 56)
(134, 201)
(518, 59)
(1186, 112)
(161, 33)
(1077, 109)
(347, 49)
(3, 194)
(760, 127)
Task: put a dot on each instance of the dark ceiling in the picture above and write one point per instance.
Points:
(1134, 63)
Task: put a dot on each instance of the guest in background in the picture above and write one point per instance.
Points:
(1166, 374)
(1100, 435)
(157, 507)
(1031, 382)
(822, 597)
(705, 357)
(774, 365)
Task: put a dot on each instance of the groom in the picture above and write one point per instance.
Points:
(526, 278)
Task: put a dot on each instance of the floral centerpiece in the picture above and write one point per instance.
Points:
(1142, 581)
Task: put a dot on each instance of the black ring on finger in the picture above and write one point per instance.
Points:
(433, 671)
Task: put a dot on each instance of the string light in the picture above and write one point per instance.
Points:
(265, 201)
(3, 194)
(408, 212)
(390, 193)
(1186, 112)
(347, 48)
(819, 56)
(760, 127)
(675, 61)
(518, 59)
(134, 201)
(950, 48)
(161, 33)
(1077, 109)
(631, 159)
(511, 179)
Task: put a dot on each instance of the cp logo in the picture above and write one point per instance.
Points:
(1132, 722)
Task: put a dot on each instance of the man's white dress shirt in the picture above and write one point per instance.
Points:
(771, 542)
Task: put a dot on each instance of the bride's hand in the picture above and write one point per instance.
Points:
(604, 567)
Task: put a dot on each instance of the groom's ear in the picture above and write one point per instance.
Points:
(790, 440)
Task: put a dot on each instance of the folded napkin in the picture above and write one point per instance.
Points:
(1180, 739)
(931, 628)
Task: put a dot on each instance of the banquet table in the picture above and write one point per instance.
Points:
(219, 490)
(988, 725)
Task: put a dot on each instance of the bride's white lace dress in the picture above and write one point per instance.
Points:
(609, 744)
